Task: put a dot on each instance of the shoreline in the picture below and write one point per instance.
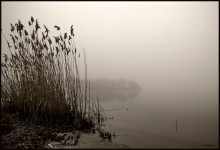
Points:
(86, 140)
(32, 136)
(20, 135)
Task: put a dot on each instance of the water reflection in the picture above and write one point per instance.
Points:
(120, 89)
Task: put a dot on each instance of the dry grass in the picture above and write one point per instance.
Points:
(40, 80)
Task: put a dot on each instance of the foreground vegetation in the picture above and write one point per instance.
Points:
(40, 80)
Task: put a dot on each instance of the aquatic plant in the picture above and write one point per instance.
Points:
(40, 79)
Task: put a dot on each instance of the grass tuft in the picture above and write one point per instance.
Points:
(40, 80)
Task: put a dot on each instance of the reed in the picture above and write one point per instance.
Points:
(40, 80)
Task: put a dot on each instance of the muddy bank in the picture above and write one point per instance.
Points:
(24, 136)
(86, 140)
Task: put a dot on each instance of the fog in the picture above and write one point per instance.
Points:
(168, 49)
(120, 89)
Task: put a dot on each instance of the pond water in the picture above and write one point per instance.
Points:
(155, 123)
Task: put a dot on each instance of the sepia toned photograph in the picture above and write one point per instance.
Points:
(110, 75)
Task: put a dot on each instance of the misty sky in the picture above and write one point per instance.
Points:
(169, 48)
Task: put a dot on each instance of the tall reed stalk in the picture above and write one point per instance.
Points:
(40, 80)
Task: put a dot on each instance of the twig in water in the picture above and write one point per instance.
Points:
(176, 126)
(116, 109)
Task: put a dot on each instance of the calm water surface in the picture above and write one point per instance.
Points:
(151, 123)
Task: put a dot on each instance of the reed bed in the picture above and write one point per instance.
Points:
(40, 80)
